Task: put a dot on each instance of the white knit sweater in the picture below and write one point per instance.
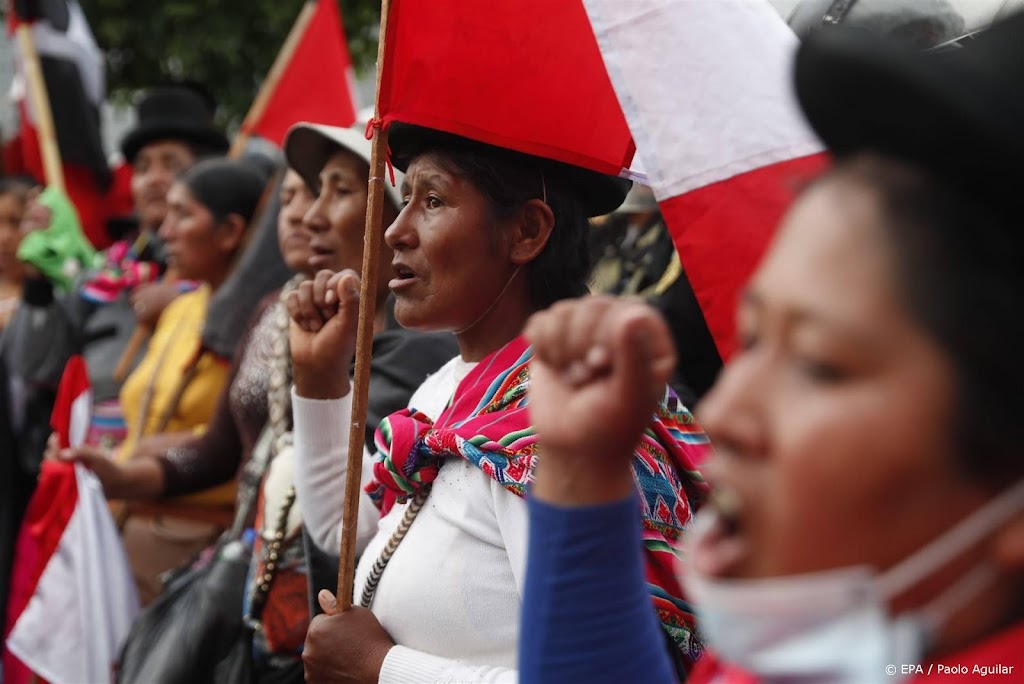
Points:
(451, 595)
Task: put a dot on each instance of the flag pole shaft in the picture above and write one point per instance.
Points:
(364, 337)
(40, 101)
(284, 56)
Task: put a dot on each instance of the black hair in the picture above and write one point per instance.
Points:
(958, 266)
(225, 187)
(509, 180)
(17, 185)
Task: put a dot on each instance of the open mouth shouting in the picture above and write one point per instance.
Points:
(404, 278)
(719, 544)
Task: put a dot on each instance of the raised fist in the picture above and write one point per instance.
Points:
(325, 316)
(599, 368)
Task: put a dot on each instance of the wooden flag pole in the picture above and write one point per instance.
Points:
(284, 56)
(364, 337)
(40, 100)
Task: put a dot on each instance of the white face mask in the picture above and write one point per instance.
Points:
(834, 626)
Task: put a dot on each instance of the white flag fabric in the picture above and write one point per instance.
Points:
(72, 596)
(84, 600)
(706, 88)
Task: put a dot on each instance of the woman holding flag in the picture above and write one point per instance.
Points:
(172, 394)
(487, 237)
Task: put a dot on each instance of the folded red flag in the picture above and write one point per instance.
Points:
(522, 74)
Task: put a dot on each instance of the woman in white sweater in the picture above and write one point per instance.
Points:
(486, 238)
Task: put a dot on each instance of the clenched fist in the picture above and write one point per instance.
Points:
(599, 367)
(325, 317)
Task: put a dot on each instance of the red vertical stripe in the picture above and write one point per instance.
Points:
(48, 514)
(721, 232)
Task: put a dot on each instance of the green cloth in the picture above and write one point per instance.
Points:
(61, 250)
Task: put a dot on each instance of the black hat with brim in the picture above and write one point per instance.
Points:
(959, 114)
(599, 193)
(174, 113)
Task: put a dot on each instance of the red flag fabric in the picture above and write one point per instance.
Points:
(72, 596)
(73, 407)
(521, 74)
(317, 83)
(72, 67)
(706, 88)
(49, 511)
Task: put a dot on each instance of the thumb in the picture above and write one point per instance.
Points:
(347, 288)
(327, 602)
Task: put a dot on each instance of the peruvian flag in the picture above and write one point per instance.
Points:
(72, 68)
(706, 87)
(521, 74)
(316, 81)
(72, 597)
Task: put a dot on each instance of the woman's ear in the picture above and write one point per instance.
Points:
(231, 233)
(531, 233)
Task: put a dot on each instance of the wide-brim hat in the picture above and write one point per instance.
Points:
(177, 113)
(600, 193)
(957, 113)
(308, 146)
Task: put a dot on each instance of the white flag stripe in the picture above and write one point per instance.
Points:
(85, 600)
(81, 415)
(705, 86)
(77, 45)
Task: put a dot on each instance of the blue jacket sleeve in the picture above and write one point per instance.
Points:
(587, 616)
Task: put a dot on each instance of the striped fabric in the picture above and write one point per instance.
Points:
(487, 423)
(122, 270)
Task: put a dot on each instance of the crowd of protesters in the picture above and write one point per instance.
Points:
(848, 496)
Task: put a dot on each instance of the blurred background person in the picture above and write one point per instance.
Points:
(97, 318)
(175, 388)
(14, 195)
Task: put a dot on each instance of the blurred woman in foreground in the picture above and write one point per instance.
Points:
(869, 469)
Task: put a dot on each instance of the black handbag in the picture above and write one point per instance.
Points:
(194, 625)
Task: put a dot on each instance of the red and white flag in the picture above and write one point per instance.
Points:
(317, 82)
(73, 71)
(72, 409)
(706, 87)
(520, 74)
(72, 597)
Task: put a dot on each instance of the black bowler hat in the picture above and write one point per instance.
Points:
(174, 112)
(957, 113)
(600, 193)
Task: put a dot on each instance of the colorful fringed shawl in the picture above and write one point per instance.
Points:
(122, 270)
(487, 423)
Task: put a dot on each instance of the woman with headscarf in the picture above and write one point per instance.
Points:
(174, 389)
(487, 237)
(868, 517)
